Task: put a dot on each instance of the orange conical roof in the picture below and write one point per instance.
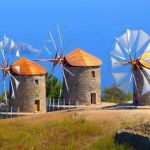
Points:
(24, 67)
(81, 58)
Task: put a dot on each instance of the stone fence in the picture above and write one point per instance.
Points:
(137, 136)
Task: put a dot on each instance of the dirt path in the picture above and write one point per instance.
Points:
(114, 116)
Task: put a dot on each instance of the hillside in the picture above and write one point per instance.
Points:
(88, 129)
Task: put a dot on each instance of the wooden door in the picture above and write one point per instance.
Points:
(37, 105)
(93, 98)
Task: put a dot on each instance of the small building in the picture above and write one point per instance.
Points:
(85, 85)
(31, 93)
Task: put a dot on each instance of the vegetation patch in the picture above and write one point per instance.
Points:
(71, 133)
(115, 95)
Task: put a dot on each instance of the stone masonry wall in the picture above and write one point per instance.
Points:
(28, 92)
(137, 136)
(145, 99)
(82, 84)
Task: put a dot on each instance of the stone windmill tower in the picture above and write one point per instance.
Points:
(84, 86)
(30, 95)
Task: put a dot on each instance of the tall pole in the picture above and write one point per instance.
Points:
(50, 104)
(58, 103)
(69, 103)
(11, 111)
(64, 103)
(53, 104)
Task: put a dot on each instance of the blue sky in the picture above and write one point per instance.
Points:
(92, 23)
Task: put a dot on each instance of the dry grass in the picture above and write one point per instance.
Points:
(91, 130)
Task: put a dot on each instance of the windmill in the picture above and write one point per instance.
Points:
(58, 54)
(6, 46)
(131, 61)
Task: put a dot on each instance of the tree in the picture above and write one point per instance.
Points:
(53, 86)
(115, 95)
(2, 97)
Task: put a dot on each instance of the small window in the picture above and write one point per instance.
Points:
(93, 74)
(36, 81)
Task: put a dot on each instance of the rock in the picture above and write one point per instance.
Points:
(137, 136)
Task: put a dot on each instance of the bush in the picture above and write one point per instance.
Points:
(115, 95)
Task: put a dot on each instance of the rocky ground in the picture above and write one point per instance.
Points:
(137, 136)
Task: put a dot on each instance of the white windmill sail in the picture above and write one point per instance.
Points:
(47, 49)
(7, 44)
(146, 84)
(132, 37)
(52, 39)
(125, 86)
(61, 46)
(132, 40)
(147, 60)
(16, 81)
(60, 37)
(12, 89)
(115, 63)
(58, 56)
(68, 71)
(123, 41)
(1, 45)
(3, 56)
(5, 92)
(135, 83)
(147, 48)
(5, 41)
(118, 52)
(119, 77)
(12, 44)
(17, 53)
(147, 72)
(2, 52)
(143, 39)
(17, 68)
(66, 83)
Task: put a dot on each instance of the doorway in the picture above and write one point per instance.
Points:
(93, 98)
(37, 105)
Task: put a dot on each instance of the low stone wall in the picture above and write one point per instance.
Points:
(137, 136)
